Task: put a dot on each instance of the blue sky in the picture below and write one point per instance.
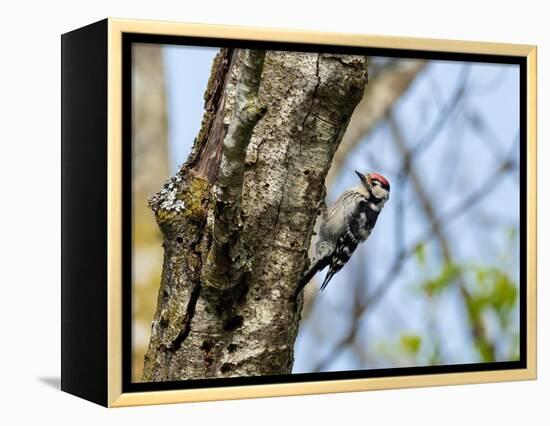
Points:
(187, 70)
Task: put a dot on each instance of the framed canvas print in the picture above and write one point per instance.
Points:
(250, 212)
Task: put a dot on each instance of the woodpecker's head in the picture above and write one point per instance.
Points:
(376, 184)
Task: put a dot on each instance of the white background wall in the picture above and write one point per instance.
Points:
(30, 199)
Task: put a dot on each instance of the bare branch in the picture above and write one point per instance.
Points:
(248, 111)
(444, 115)
(228, 190)
(381, 94)
(477, 329)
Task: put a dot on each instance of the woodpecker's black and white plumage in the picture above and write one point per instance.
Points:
(345, 225)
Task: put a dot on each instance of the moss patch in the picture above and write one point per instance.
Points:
(195, 198)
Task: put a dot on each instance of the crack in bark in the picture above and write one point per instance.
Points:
(189, 314)
(287, 162)
(324, 120)
(315, 93)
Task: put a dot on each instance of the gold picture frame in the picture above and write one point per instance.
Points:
(114, 30)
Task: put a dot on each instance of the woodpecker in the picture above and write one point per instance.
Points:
(345, 225)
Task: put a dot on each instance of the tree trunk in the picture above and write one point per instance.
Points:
(237, 218)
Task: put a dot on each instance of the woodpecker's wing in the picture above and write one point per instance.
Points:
(335, 219)
(346, 245)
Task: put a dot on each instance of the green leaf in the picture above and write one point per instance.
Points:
(485, 350)
(447, 275)
(420, 254)
(495, 290)
(411, 343)
(504, 292)
(435, 357)
(512, 234)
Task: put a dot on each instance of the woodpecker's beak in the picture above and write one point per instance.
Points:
(362, 177)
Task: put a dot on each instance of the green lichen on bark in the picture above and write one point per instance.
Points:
(195, 197)
(183, 198)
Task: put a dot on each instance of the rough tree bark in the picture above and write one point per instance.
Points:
(237, 218)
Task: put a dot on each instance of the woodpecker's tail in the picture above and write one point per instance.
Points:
(328, 277)
(317, 266)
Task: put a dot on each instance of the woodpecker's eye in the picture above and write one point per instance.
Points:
(380, 180)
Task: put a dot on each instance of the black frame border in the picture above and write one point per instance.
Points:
(84, 194)
(128, 386)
